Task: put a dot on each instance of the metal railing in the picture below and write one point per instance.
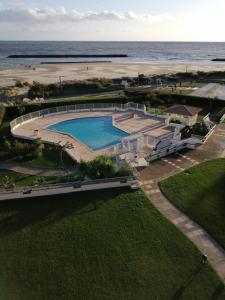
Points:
(76, 108)
(222, 119)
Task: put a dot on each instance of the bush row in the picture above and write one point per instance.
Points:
(70, 88)
(99, 168)
(157, 99)
(2, 114)
(12, 112)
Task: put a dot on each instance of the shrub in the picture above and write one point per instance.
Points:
(200, 129)
(20, 109)
(38, 146)
(37, 90)
(125, 170)
(12, 111)
(2, 114)
(186, 132)
(100, 167)
(103, 167)
(7, 145)
(67, 88)
(21, 150)
(19, 83)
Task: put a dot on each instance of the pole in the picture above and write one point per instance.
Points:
(60, 82)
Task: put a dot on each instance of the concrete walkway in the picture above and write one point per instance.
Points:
(207, 245)
(30, 170)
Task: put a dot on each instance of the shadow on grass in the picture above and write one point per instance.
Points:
(21, 213)
(179, 293)
(19, 179)
(217, 186)
(218, 292)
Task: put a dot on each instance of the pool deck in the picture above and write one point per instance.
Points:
(79, 151)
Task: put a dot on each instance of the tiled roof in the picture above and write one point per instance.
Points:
(184, 110)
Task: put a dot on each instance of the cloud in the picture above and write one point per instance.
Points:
(23, 14)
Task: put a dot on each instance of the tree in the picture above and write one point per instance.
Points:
(37, 90)
(7, 145)
(38, 148)
(186, 132)
(7, 182)
(102, 167)
(21, 109)
(200, 129)
(125, 170)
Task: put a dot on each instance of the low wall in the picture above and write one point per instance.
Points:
(71, 187)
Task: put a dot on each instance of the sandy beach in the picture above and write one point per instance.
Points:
(50, 73)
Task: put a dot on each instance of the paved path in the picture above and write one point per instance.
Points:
(164, 168)
(30, 170)
(208, 246)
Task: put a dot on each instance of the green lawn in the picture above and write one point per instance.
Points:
(88, 98)
(23, 180)
(42, 162)
(200, 193)
(101, 245)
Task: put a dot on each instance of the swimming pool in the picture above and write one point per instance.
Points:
(95, 132)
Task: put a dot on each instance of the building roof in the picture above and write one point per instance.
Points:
(211, 90)
(183, 110)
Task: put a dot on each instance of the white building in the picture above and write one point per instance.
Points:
(187, 115)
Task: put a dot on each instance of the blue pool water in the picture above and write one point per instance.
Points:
(97, 132)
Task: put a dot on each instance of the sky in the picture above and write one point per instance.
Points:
(115, 20)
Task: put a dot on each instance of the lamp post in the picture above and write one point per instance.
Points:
(60, 81)
(204, 259)
(61, 149)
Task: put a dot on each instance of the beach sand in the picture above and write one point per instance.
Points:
(50, 73)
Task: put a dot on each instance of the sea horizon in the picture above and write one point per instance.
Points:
(181, 52)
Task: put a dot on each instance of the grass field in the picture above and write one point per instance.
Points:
(42, 161)
(110, 244)
(200, 193)
(88, 98)
(23, 180)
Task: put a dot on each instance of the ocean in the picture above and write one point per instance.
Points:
(141, 52)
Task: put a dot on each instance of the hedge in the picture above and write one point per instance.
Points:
(13, 111)
(71, 88)
(195, 101)
(2, 114)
